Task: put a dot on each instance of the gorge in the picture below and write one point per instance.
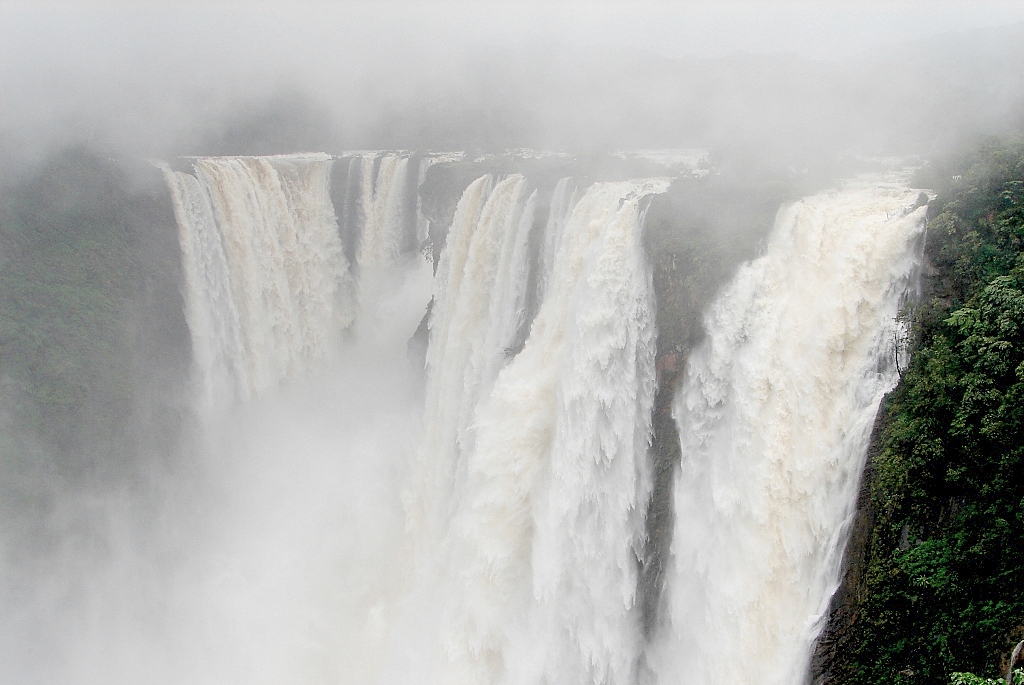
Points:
(434, 429)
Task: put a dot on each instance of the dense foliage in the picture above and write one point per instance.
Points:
(971, 679)
(944, 586)
(92, 337)
(69, 267)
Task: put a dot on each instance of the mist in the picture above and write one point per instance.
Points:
(181, 78)
(232, 454)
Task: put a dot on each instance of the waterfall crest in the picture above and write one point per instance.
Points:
(774, 414)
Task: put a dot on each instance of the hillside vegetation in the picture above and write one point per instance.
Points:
(943, 588)
(93, 344)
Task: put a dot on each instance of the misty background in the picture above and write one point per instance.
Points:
(95, 412)
(791, 79)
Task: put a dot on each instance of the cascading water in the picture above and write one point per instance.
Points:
(383, 208)
(267, 280)
(562, 201)
(391, 272)
(560, 481)
(270, 290)
(281, 583)
(522, 474)
(532, 480)
(774, 416)
(422, 224)
(474, 320)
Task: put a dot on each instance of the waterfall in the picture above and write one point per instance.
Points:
(518, 464)
(534, 478)
(562, 201)
(268, 287)
(567, 428)
(383, 199)
(774, 416)
(394, 280)
(479, 296)
(295, 519)
(422, 224)
(270, 292)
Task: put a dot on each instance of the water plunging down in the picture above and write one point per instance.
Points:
(268, 287)
(519, 463)
(535, 477)
(270, 290)
(774, 415)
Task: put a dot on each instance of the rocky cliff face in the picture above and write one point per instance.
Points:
(843, 610)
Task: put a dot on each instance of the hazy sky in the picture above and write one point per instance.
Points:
(815, 29)
(68, 64)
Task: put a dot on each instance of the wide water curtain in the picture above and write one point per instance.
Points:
(533, 479)
(268, 284)
(774, 416)
(525, 481)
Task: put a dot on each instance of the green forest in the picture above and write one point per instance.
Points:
(93, 344)
(942, 595)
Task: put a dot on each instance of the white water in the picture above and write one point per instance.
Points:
(488, 530)
(393, 284)
(479, 297)
(567, 430)
(562, 201)
(383, 200)
(544, 475)
(567, 559)
(422, 224)
(294, 527)
(268, 288)
(774, 416)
